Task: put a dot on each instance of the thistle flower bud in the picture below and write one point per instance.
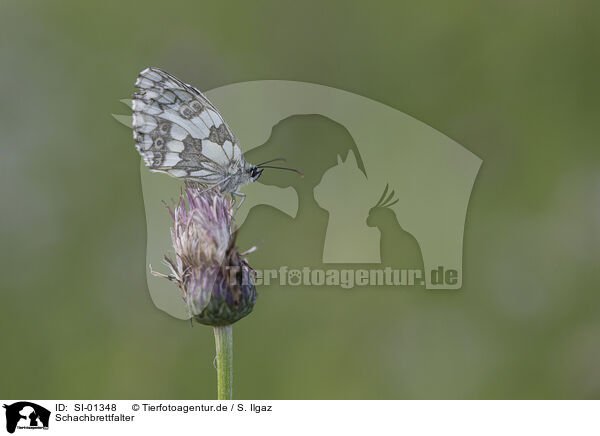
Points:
(217, 282)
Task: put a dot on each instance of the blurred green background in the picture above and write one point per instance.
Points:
(514, 82)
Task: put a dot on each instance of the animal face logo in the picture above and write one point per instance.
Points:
(349, 148)
(27, 415)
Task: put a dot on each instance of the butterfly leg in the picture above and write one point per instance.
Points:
(242, 198)
(197, 185)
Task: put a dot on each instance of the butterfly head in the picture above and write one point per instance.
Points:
(255, 173)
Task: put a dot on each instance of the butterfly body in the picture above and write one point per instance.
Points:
(179, 132)
(236, 176)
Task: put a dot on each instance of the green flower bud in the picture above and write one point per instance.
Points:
(217, 282)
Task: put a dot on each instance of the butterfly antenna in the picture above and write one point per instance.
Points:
(283, 159)
(287, 169)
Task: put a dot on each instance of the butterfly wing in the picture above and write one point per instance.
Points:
(179, 132)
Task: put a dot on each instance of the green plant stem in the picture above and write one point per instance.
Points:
(224, 346)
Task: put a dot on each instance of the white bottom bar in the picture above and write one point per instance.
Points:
(308, 417)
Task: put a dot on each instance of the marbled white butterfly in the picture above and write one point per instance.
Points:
(179, 132)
